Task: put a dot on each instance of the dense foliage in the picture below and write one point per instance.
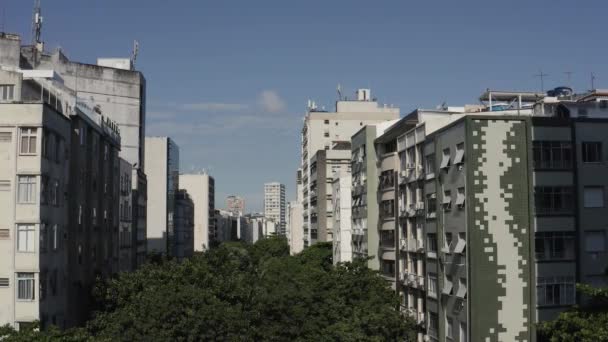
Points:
(585, 324)
(239, 292)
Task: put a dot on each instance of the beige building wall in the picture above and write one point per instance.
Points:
(200, 187)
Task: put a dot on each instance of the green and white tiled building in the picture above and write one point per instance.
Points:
(487, 219)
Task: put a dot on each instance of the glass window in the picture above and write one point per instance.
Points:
(433, 324)
(25, 237)
(554, 245)
(28, 140)
(431, 205)
(593, 197)
(592, 152)
(7, 92)
(432, 284)
(25, 286)
(595, 241)
(429, 164)
(445, 159)
(463, 332)
(553, 200)
(552, 154)
(43, 237)
(431, 243)
(26, 189)
(449, 330)
(554, 291)
(55, 237)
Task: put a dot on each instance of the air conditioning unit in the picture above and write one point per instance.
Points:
(420, 206)
(403, 173)
(410, 166)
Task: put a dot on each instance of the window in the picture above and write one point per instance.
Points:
(55, 237)
(431, 240)
(429, 165)
(388, 268)
(42, 285)
(326, 134)
(25, 286)
(449, 324)
(445, 159)
(447, 200)
(26, 191)
(448, 285)
(593, 197)
(552, 154)
(387, 208)
(44, 189)
(25, 237)
(387, 238)
(387, 179)
(7, 92)
(459, 157)
(460, 198)
(4, 282)
(554, 245)
(82, 131)
(592, 152)
(432, 284)
(54, 193)
(463, 332)
(28, 140)
(431, 205)
(552, 291)
(462, 288)
(448, 241)
(461, 243)
(326, 122)
(595, 241)
(43, 237)
(553, 200)
(433, 324)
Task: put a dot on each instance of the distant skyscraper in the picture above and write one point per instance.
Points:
(235, 204)
(274, 205)
(201, 188)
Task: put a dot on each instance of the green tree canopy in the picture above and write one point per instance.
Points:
(240, 292)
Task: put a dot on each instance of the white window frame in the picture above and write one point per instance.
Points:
(7, 92)
(26, 189)
(26, 238)
(29, 135)
(26, 286)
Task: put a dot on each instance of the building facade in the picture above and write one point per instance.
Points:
(201, 188)
(341, 204)
(162, 171)
(274, 205)
(127, 238)
(320, 131)
(183, 246)
(235, 204)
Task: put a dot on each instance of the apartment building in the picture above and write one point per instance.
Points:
(324, 165)
(235, 204)
(341, 204)
(162, 171)
(274, 205)
(112, 86)
(59, 193)
(320, 132)
(201, 188)
(365, 234)
(184, 225)
(495, 220)
(294, 234)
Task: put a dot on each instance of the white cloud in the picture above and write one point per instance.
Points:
(214, 106)
(271, 101)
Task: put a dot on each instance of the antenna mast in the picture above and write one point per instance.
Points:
(592, 81)
(542, 76)
(135, 53)
(569, 74)
(37, 45)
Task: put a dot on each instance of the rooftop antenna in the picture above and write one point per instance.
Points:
(569, 75)
(339, 92)
(542, 76)
(135, 52)
(592, 81)
(36, 30)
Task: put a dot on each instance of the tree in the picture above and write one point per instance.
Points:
(240, 292)
(585, 324)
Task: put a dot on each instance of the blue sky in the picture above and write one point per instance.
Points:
(229, 80)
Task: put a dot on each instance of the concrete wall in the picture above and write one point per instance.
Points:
(158, 177)
(202, 195)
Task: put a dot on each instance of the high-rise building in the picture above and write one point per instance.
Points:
(184, 225)
(294, 234)
(235, 205)
(321, 131)
(127, 237)
(59, 190)
(115, 88)
(201, 188)
(490, 215)
(162, 171)
(274, 205)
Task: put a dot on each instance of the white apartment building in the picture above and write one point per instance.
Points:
(294, 236)
(58, 174)
(274, 205)
(341, 203)
(322, 129)
(162, 171)
(201, 188)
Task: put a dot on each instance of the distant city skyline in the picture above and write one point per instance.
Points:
(229, 81)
